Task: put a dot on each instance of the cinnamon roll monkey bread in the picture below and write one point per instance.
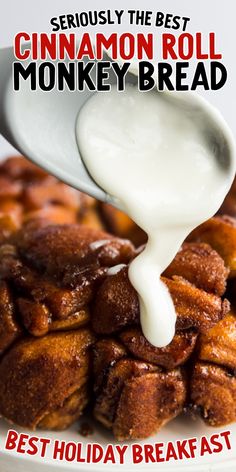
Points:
(70, 335)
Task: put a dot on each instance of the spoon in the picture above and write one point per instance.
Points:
(41, 126)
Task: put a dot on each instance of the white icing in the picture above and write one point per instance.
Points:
(97, 244)
(158, 154)
(115, 269)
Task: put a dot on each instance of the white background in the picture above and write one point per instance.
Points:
(206, 16)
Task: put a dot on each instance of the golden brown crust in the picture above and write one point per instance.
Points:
(27, 193)
(107, 400)
(149, 396)
(171, 356)
(73, 321)
(7, 227)
(218, 345)
(54, 270)
(106, 352)
(52, 248)
(38, 196)
(35, 316)
(10, 330)
(220, 233)
(201, 265)
(38, 320)
(55, 214)
(68, 413)
(39, 375)
(19, 169)
(9, 189)
(116, 305)
(213, 393)
(194, 307)
(13, 210)
(157, 397)
(134, 398)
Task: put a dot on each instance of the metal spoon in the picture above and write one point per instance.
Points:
(41, 125)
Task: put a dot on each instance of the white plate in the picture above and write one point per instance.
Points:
(179, 429)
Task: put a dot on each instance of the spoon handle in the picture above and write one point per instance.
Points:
(6, 60)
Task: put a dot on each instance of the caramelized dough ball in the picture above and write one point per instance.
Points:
(67, 414)
(74, 321)
(213, 382)
(105, 353)
(19, 168)
(10, 329)
(9, 189)
(38, 377)
(213, 393)
(13, 209)
(54, 270)
(56, 214)
(91, 219)
(116, 305)
(218, 345)
(28, 193)
(135, 399)
(152, 400)
(121, 225)
(113, 383)
(54, 248)
(38, 196)
(173, 355)
(201, 265)
(220, 233)
(194, 307)
(7, 227)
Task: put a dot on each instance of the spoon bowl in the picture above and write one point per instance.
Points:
(41, 126)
